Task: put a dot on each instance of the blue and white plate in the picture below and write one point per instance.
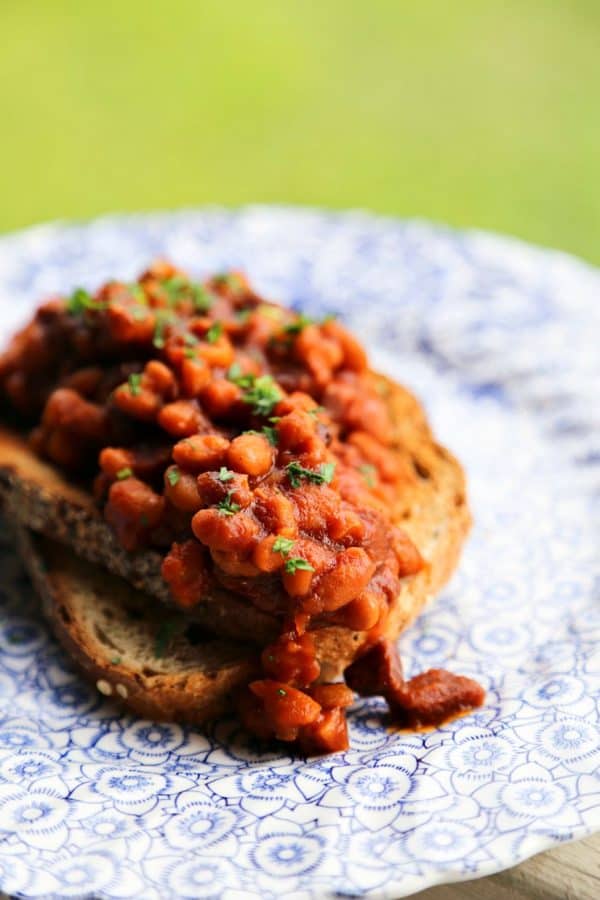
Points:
(501, 341)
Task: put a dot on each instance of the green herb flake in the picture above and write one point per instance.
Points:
(235, 374)
(190, 340)
(173, 476)
(299, 325)
(115, 660)
(135, 383)
(296, 563)
(175, 288)
(162, 320)
(228, 280)
(242, 315)
(283, 545)
(281, 692)
(189, 353)
(122, 474)
(369, 474)
(263, 394)
(137, 292)
(226, 507)
(225, 474)
(139, 314)
(271, 435)
(164, 636)
(214, 332)
(323, 475)
(201, 298)
(80, 300)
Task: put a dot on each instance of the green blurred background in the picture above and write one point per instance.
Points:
(471, 112)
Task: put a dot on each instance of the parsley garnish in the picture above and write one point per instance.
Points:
(115, 661)
(164, 636)
(189, 353)
(137, 292)
(226, 507)
(369, 473)
(282, 545)
(190, 340)
(80, 300)
(173, 476)
(139, 314)
(242, 315)
(135, 381)
(201, 298)
(296, 563)
(175, 288)
(271, 435)
(296, 327)
(271, 312)
(229, 280)
(262, 394)
(281, 692)
(122, 474)
(225, 474)
(162, 319)
(296, 473)
(214, 332)
(235, 374)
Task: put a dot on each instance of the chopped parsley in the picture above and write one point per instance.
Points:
(201, 298)
(190, 340)
(122, 474)
(115, 661)
(139, 313)
(281, 692)
(175, 288)
(229, 280)
(368, 472)
(225, 474)
(189, 353)
(296, 563)
(162, 320)
(235, 374)
(214, 332)
(135, 383)
(164, 636)
(271, 435)
(296, 473)
(137, 292)
(80, 300)
(262, 394)
(299, 325)
(242, 315)
(226, 507)
(314, 412)
(283, 545)
(173, 476)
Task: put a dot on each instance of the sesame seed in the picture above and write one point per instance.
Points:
(105, 687)
(121, 691)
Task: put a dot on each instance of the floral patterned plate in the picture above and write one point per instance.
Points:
(501, 342)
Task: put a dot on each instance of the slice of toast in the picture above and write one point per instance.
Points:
(135, 651)
(432, 509)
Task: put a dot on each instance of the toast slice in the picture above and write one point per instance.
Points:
(135, 651)
(433, 511)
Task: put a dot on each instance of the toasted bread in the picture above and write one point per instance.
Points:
(135, 651)
(432, 510)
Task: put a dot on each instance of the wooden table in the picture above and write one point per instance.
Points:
(570, 872)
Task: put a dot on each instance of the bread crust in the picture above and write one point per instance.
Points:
(193, 683)
(433, 510)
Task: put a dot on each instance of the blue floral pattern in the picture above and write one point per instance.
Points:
(501, 342)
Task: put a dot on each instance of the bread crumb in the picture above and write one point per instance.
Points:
(105, 687)
(121, 691)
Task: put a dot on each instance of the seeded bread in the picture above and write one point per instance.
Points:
(433, 510)
(133, 650)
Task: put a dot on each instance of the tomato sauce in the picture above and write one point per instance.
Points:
(251, 446)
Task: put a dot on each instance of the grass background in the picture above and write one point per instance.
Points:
(472, 112)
